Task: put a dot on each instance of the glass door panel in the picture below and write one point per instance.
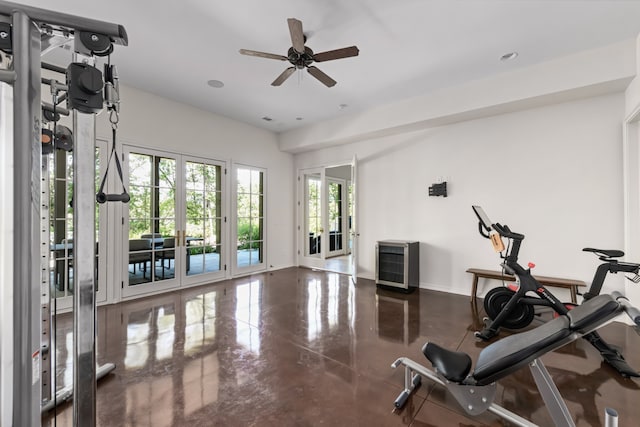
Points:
(151, 224)
(202, 239)
(249, 227)
(335, 216)
(313, 215)
(59, 180)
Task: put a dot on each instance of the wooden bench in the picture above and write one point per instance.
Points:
(570, 284)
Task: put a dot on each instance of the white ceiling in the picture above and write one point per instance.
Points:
(407, 47)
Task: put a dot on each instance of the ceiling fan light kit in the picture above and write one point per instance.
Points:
(301, 56)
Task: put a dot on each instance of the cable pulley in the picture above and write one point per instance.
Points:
(112, 100)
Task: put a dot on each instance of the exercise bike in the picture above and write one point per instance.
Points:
(513, 308)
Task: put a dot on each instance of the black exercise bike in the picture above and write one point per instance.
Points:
(513, 308)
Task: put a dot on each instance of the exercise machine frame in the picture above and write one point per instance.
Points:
(32, 31)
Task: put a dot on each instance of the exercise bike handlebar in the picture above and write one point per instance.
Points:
(505, 231)
(631, 311)
(485, 225)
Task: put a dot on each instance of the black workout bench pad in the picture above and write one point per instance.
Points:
(513, 352)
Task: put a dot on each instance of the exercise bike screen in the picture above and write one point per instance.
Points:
(482, 216)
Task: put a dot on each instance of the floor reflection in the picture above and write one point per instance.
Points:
(398, 316)
(302, 347)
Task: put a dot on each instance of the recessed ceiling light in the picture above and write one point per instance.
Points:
(509, 56)
(342, 106)
(299, 118)
(215, 83)
(267, 119)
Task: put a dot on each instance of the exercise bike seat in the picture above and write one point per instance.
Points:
(513, 352)
(608, 253)
(453, 365)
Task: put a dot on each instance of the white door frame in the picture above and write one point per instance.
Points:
(186, 279)
(354, 220)
(129, 290)
(181, 279)
(235, 270)
(320, 262)
(65, 303)
(631, 173)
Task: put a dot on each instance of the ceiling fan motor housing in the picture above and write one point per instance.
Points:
(300, 60)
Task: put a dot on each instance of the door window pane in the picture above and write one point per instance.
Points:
(335, 216)
(313, 217)
(60, 192)
(204, 215)
(249, 217)
(152, 218)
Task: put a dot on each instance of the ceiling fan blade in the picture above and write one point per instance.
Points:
(329, 55)
(324, 79)
(284, 76)
(262, 54)
(297, 36)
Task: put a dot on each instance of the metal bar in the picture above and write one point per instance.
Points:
(6, 260)
(26, 237)
(84, 241)
(507, 415)
(550, 394)
(116, 32)
(66, 394)
(48, 343)
(610, 417)
(52, 67)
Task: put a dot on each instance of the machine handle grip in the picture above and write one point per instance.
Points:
(631, 311)
(103, 198)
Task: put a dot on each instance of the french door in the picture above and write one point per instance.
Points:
(57, 189)
(313, 199)
(249, 200)
(174, 223)
(327, 218)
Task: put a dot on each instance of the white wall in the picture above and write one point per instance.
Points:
(632, 175)
(147, 120)
(552, 173)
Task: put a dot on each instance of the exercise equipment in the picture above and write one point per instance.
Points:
(26, 33)
(59, 141)
(514, 308)
(475, 391)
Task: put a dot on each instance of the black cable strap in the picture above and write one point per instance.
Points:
(123, 197)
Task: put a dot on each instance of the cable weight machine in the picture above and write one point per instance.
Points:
(25, 34)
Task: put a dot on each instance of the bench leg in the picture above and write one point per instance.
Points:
(574, 298)
(474, 288)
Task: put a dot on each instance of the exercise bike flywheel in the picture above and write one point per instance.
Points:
(495, 300)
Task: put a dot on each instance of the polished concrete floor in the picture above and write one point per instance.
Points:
(299, 347)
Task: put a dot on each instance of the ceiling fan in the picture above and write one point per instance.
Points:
(300, 56)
